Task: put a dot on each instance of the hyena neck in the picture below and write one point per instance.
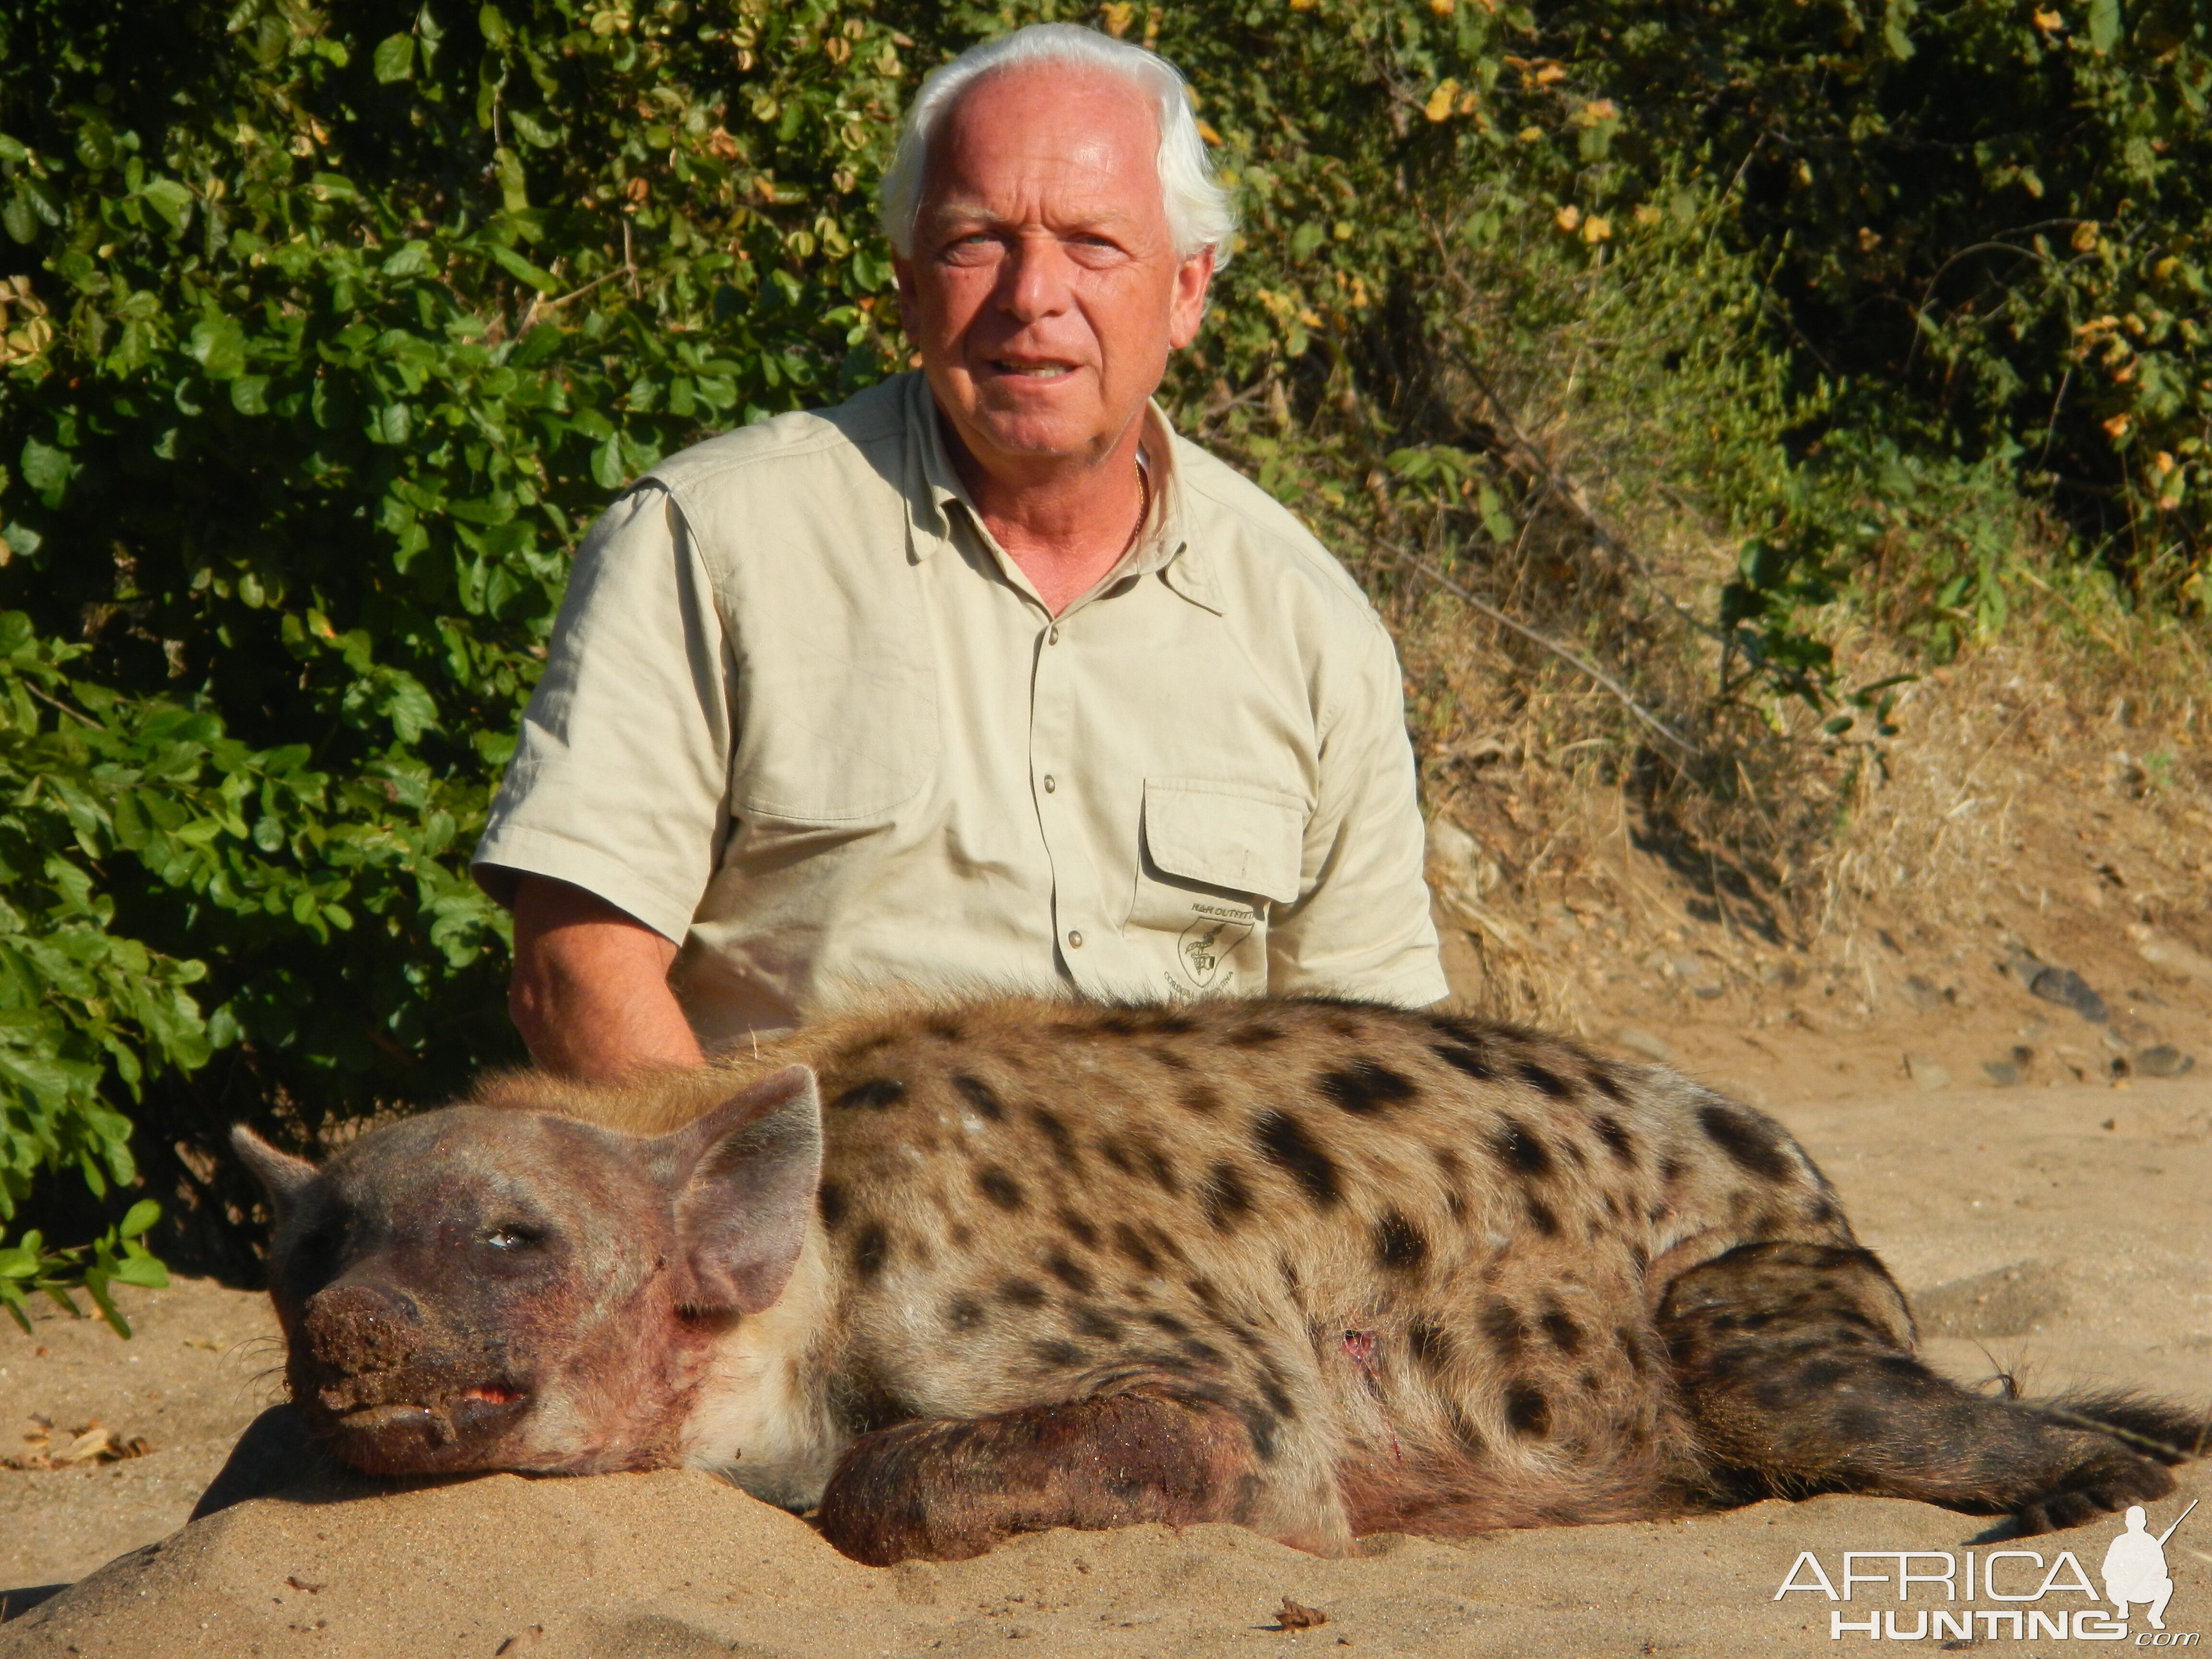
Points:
(761, 1418)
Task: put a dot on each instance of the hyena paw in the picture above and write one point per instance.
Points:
(2110, 1480)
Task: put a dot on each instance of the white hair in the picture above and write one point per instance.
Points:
(1199, 212)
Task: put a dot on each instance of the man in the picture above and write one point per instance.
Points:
(983, 680)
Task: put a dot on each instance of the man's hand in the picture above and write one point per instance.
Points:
(589, 989)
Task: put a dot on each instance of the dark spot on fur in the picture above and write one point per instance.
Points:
(1204, 1352)
(1208, 1297)
(1199, 1097)
(1260, 1425)
(1566, 1336)
(1162, 1171)
(1078, 1229)
(1633, 1346)
(1279, 1402)
(1121, 1022)
(1540, 1217)
(877, 1094)
(1285, 1144)
(1061, 1137)
(871, 1249)
(1056, 1352)
(1169, 1058)
(1366, 1086)
(981, 1096)
(1470, 1032)
(1432, 1345)
(831, 1200)
(963, 1313)
(1507, 1331)
(1168, 1323)
(1671, 1170)
(1469, 1438)
(946, 1029)
(1588, 1378)
(1223, 1196)
(1551, 1082)
(1259, 1036)
(1515, 1146)
(1069, 1272)
(1822, 1213)
(1021, 1293)
(1091, 1323)
(1602, 1079)
(1614, 1133)
(1111, 1149)
(960, 1236)
(1001, 1188)
(1126, 1241)
(1527, 1411)
(1398, 1244)
(1750, 1142)
(1462, 1059)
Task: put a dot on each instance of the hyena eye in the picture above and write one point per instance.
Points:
(511, 1239)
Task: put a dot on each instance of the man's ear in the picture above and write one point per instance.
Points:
(744, 1177)
(281, 1176)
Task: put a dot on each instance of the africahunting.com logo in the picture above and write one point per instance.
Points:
(1939, 1593)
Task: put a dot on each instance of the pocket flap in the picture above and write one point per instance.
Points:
(1227, 834)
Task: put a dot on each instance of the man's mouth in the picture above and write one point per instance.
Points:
(1033, 371)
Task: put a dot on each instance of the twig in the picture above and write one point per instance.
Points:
(1421, 567)
(55, 704)
(541, 303)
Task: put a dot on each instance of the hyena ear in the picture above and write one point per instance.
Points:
(744, 1177)
(281, 1176)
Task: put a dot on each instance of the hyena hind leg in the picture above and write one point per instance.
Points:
(1796, 1363)
(947, 1491)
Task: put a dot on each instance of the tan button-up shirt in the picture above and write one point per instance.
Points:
(804, 715)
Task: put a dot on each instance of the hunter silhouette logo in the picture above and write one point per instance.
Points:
(2029, 1593)
(2135, 1567)
(1206, 943)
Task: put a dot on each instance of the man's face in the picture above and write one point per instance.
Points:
(1043, 289)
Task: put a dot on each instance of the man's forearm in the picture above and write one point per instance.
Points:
(589, 989)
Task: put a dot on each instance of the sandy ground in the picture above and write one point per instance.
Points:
(2061, 1234)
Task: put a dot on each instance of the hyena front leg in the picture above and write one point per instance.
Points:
(947, 1491)
(1795, 1362)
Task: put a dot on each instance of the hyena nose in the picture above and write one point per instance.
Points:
(357, 1328)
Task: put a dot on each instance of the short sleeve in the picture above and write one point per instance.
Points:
(1362, 927)
(620, 778)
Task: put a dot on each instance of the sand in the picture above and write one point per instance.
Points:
(2063, 1235)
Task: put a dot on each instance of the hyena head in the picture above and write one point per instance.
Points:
(484, 1287)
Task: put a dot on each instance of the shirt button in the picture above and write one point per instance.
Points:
(1050, 784)
(1074, 940)
(1052, 637)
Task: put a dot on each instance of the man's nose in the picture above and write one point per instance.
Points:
(1036, 283)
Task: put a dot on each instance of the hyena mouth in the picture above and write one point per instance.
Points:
(427, 1437)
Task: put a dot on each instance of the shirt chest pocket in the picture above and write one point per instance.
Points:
(1214, 856)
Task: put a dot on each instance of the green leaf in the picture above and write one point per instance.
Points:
(169, 198)
(522, 270)
(46, 469)
(140, 1216)
(411, 259)
(394, 59)
(535, 129)
(218, 345)
(2105, 22)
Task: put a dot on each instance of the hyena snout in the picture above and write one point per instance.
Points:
(391, 1395)
(356, 1333)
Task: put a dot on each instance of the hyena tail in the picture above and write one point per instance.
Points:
(2156, 1428)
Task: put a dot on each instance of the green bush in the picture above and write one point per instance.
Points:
(328, 327)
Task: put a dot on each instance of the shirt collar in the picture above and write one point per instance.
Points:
(1164, 545)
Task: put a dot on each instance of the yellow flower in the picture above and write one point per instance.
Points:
(1568, 216)
(1597, 228)
(2049, 22)
(1439, 107)
(2116, 427)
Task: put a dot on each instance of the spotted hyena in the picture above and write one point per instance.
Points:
(1317, 1267)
